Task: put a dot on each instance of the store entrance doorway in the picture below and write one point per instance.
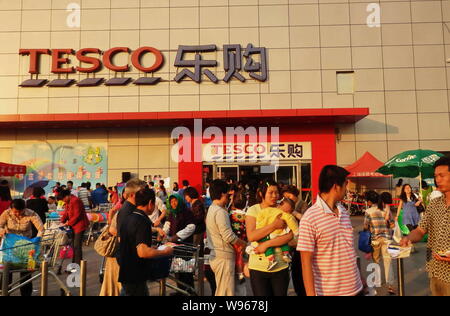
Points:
(298, 174)
(253, 174)
(286, 174)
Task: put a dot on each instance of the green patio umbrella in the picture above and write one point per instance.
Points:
(411, 164)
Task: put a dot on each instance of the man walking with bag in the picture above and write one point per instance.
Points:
(436, 223)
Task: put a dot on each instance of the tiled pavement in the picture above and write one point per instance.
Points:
(416, 280)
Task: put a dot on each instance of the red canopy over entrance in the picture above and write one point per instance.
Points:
(9, 170)
(366, 167)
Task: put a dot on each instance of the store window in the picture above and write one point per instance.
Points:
(345, 82)
(252, 173)
(287, 175)
(298, 174)
(306, 183)
(228, 173)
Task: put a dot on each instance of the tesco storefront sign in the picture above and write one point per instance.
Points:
(61, 64)
(236, 59)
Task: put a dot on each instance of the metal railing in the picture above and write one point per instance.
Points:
(44, 276)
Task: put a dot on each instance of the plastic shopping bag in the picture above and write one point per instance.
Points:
(398, 235)
(66, 252)
(17, 250)
(403, 228)
(365, 241)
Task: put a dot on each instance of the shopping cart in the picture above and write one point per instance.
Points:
(103, 208)
(97, 222)
(13, 261)
(185, 260)
(55, 242)
(98, 218)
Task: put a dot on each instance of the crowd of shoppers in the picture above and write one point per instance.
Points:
(265, 233)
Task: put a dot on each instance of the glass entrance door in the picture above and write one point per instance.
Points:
(228, 173)
(287, 175)
(252, 173)
(295, 174)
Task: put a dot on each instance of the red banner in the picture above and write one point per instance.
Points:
(9, 170)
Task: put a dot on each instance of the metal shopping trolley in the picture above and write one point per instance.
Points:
(97, 221)
(185, 260)
(98, 218)
(55, 242)
(19, 259)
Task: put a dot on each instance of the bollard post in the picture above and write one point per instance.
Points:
(83, 278)
(162, 287)
(201, 276)
(401, 278)
(44, 278)
(5, 279)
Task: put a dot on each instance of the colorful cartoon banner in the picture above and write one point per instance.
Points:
(50, 163)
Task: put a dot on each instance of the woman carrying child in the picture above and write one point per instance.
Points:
(267, 280)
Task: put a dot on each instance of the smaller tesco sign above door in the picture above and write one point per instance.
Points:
(263, 152)
(92, 60)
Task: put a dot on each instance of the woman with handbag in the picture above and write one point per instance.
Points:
(107, 245)
(111, 285)
(410, 205)
(107, 241)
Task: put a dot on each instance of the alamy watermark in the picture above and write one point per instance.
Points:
(74, 17)
(374, 18)
(237, 144)
(374, 276)
(73, 280)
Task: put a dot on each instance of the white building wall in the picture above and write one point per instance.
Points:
(400, 68)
